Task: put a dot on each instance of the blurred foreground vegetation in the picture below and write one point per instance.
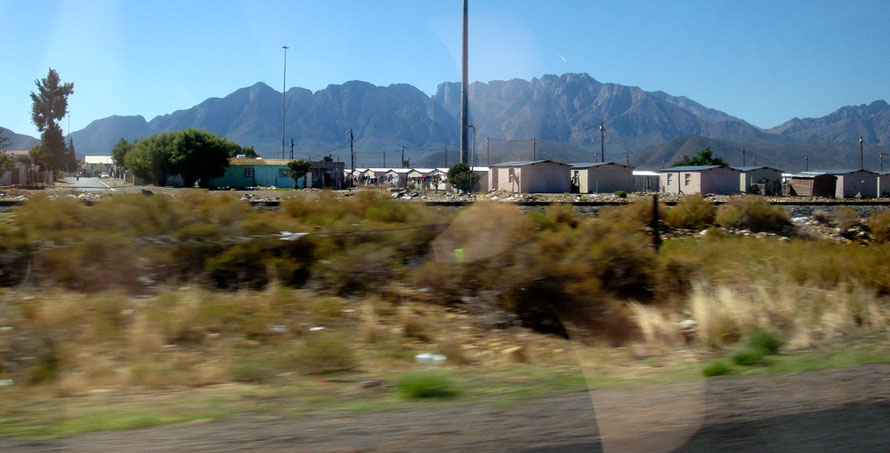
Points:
(200, 288)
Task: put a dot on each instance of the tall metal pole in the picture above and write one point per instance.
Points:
(403, 157)
(351, 151)
(446, 156)
(283, 91)
(384, 159)
(464, 93)
(602, 142)
(487, 153)
(861, 162)
(806, 160)
(743, 156)
(534, 148)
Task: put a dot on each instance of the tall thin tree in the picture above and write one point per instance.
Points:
(49, 105)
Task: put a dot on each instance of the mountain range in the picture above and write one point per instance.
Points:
(561, 113)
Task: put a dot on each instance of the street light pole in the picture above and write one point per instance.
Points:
(283, 91)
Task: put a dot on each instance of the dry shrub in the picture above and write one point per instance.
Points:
(880, 226)
(691, 212)
(323, 353)
(413, 324)
(804, 315)
(821, 216)
(752, 212)
(638, 213)
(846, 217)
(656, 325)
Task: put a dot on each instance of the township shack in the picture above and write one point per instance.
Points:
(760, 180)
(602, 177)
(21, 173)
(701, 179)
(884, 184)
(245, 172)
(847, 183)
(813, 184)
(531, 176)
(645, 181)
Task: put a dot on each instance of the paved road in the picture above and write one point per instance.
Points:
(86, 184)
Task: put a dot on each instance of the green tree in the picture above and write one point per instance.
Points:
(298, 169)
(149, 159)
(247, 151)
(4, 141)
(200, 156)
(49, 105)
(704, 157)
(119, 152)
(6, 164)
(462, 177)
(70, 156)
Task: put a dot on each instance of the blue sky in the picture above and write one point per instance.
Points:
(762, 61)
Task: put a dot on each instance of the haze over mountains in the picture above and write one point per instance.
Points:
(562, 113)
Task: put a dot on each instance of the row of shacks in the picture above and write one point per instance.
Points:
(543, 176)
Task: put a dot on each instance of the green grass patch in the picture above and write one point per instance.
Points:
(716, 368)
(426, 384)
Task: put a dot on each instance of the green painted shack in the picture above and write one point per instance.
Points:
(243, 172)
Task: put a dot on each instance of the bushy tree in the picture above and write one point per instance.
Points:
(119, 152)
(704, 157)
(247, 151)
(6, 164)
(49, 105)
(149, 158)
(4, 141)
(200, 156)
(462, 177)
(298, 169)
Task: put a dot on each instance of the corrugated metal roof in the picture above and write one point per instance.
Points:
(596, 164)
(689, 168)
(835, 172)
(645, 173)
(248, 161)
(751, 168)
(518, 163)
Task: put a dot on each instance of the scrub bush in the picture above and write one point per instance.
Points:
(692, 212)
(752, 212)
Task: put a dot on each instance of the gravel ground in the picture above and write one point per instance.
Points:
(840, 410)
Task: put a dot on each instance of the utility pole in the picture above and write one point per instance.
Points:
(446, 156)
(351, 151)
(602, 142)
(283, 91)
(861, 162)
(403, 156)
(627, 159)
(487, 154)
(882, 161)
(743, 156)
(384, 159)
(806, 160)
(534, 148)
(464, 94)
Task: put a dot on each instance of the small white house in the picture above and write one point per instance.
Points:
(701, 179)
(532, 176)
(602, 177)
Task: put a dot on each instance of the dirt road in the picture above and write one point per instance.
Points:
(840, 410)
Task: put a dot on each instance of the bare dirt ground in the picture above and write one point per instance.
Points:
(839, 410)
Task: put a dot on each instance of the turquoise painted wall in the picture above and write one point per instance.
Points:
(263, 176)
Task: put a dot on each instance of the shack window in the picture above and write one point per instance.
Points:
(248, 172)
(670, 178)
(282, 172)
(687, 178)
(512, 174)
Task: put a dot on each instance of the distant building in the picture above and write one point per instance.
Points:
(275, 173)
(98, 164)
(602, 177)
(645, 181)
(701, 179)
(533, 176)
(848, 183)
(760, 180)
